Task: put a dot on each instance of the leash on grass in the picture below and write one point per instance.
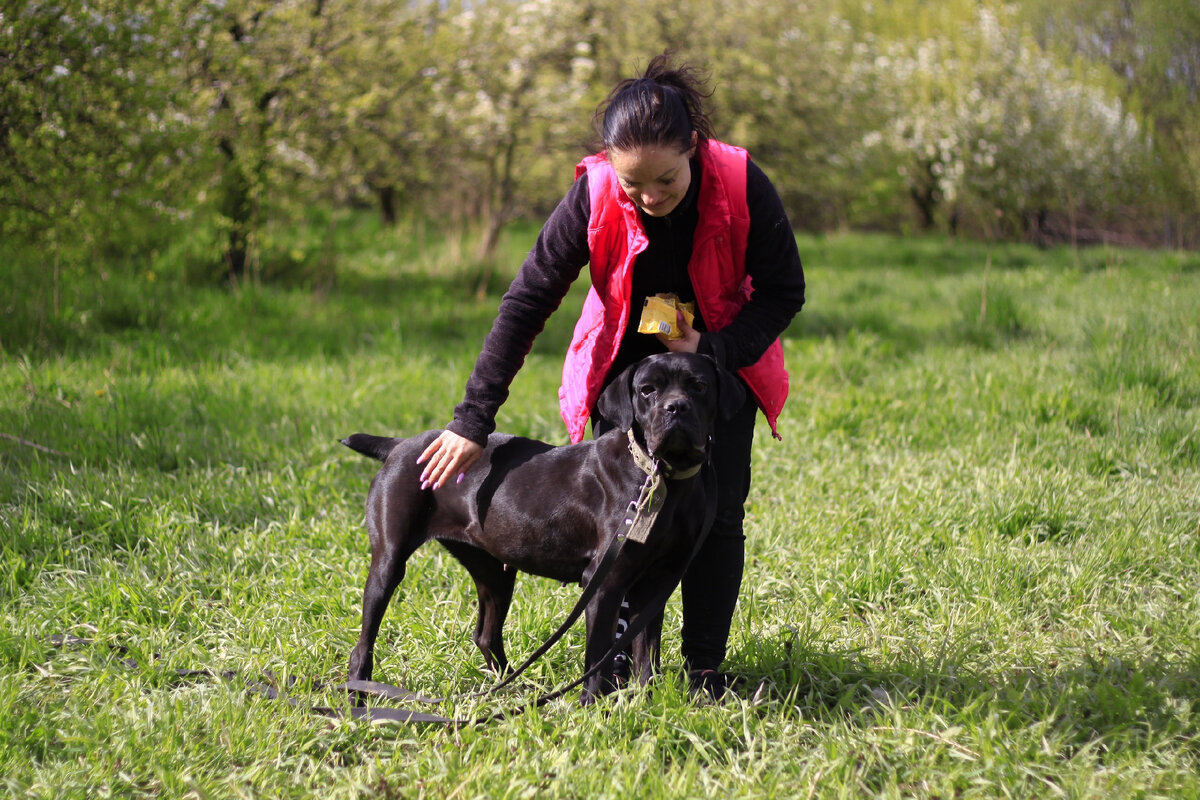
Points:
(269, 684)
(639, 519)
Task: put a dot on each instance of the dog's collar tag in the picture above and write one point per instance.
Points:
(643, 512)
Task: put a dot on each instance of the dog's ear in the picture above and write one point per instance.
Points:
(731, 391)
(616, 401)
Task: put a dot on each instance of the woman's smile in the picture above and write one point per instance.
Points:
(656, 178)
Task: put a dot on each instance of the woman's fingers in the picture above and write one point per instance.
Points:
(690, 341)
(437, 459)
(448, 456)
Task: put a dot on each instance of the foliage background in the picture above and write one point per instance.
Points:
(120, 125)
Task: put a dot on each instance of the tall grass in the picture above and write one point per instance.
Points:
(972, 560)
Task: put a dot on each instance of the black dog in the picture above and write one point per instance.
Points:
(553, 511)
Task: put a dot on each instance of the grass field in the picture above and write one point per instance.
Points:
(973, 561)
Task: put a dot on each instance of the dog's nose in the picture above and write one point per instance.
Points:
(675, 405)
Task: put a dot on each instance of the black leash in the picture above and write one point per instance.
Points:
(636, 624)
(271, 687)
(639, 518)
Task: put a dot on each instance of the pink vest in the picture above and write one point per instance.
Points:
(717, 271)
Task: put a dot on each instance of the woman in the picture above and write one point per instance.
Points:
(664, 208)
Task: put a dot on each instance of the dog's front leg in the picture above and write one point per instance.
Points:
(646, 649)
(601, 618)
(647, 601)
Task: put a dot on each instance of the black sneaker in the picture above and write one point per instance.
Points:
(712, 683)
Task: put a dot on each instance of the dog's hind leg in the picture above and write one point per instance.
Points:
(494, 585)
(390, 551)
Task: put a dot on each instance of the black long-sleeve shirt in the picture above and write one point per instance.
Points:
(561, 251)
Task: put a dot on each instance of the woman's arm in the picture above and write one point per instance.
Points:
(541, 284)
(773, 263)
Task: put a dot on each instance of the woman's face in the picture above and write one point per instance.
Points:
(655, 177)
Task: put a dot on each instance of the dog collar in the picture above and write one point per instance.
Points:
(651, 465)
(683, 474)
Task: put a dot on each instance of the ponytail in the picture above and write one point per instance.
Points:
(663, 107)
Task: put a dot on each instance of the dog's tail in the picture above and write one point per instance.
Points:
(374, 446)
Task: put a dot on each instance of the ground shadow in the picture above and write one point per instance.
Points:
(1097, 698)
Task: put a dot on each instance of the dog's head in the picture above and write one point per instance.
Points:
(671, 401)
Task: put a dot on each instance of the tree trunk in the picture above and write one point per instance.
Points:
(487, 252)
(499, 211)
(236, 206)
(924, 195)
(387, 204)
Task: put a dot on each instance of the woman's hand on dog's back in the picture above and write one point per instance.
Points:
(447, 456)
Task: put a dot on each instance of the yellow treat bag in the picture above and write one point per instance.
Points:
(658, 315)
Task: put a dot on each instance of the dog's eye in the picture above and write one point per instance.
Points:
(699, 387)
(646, 390)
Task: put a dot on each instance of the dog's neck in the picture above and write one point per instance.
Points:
(651, 465)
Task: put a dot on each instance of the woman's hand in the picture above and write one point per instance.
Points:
(691, 337)
(447, 456)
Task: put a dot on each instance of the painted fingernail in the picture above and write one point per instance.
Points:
(424, 485)
(461, 475)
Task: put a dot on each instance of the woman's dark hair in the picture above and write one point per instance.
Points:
(662, 107)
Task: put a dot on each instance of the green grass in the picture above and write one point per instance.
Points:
(973, 561)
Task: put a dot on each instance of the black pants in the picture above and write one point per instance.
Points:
(711, 584)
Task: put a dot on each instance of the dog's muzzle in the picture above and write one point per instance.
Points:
(680, 447)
